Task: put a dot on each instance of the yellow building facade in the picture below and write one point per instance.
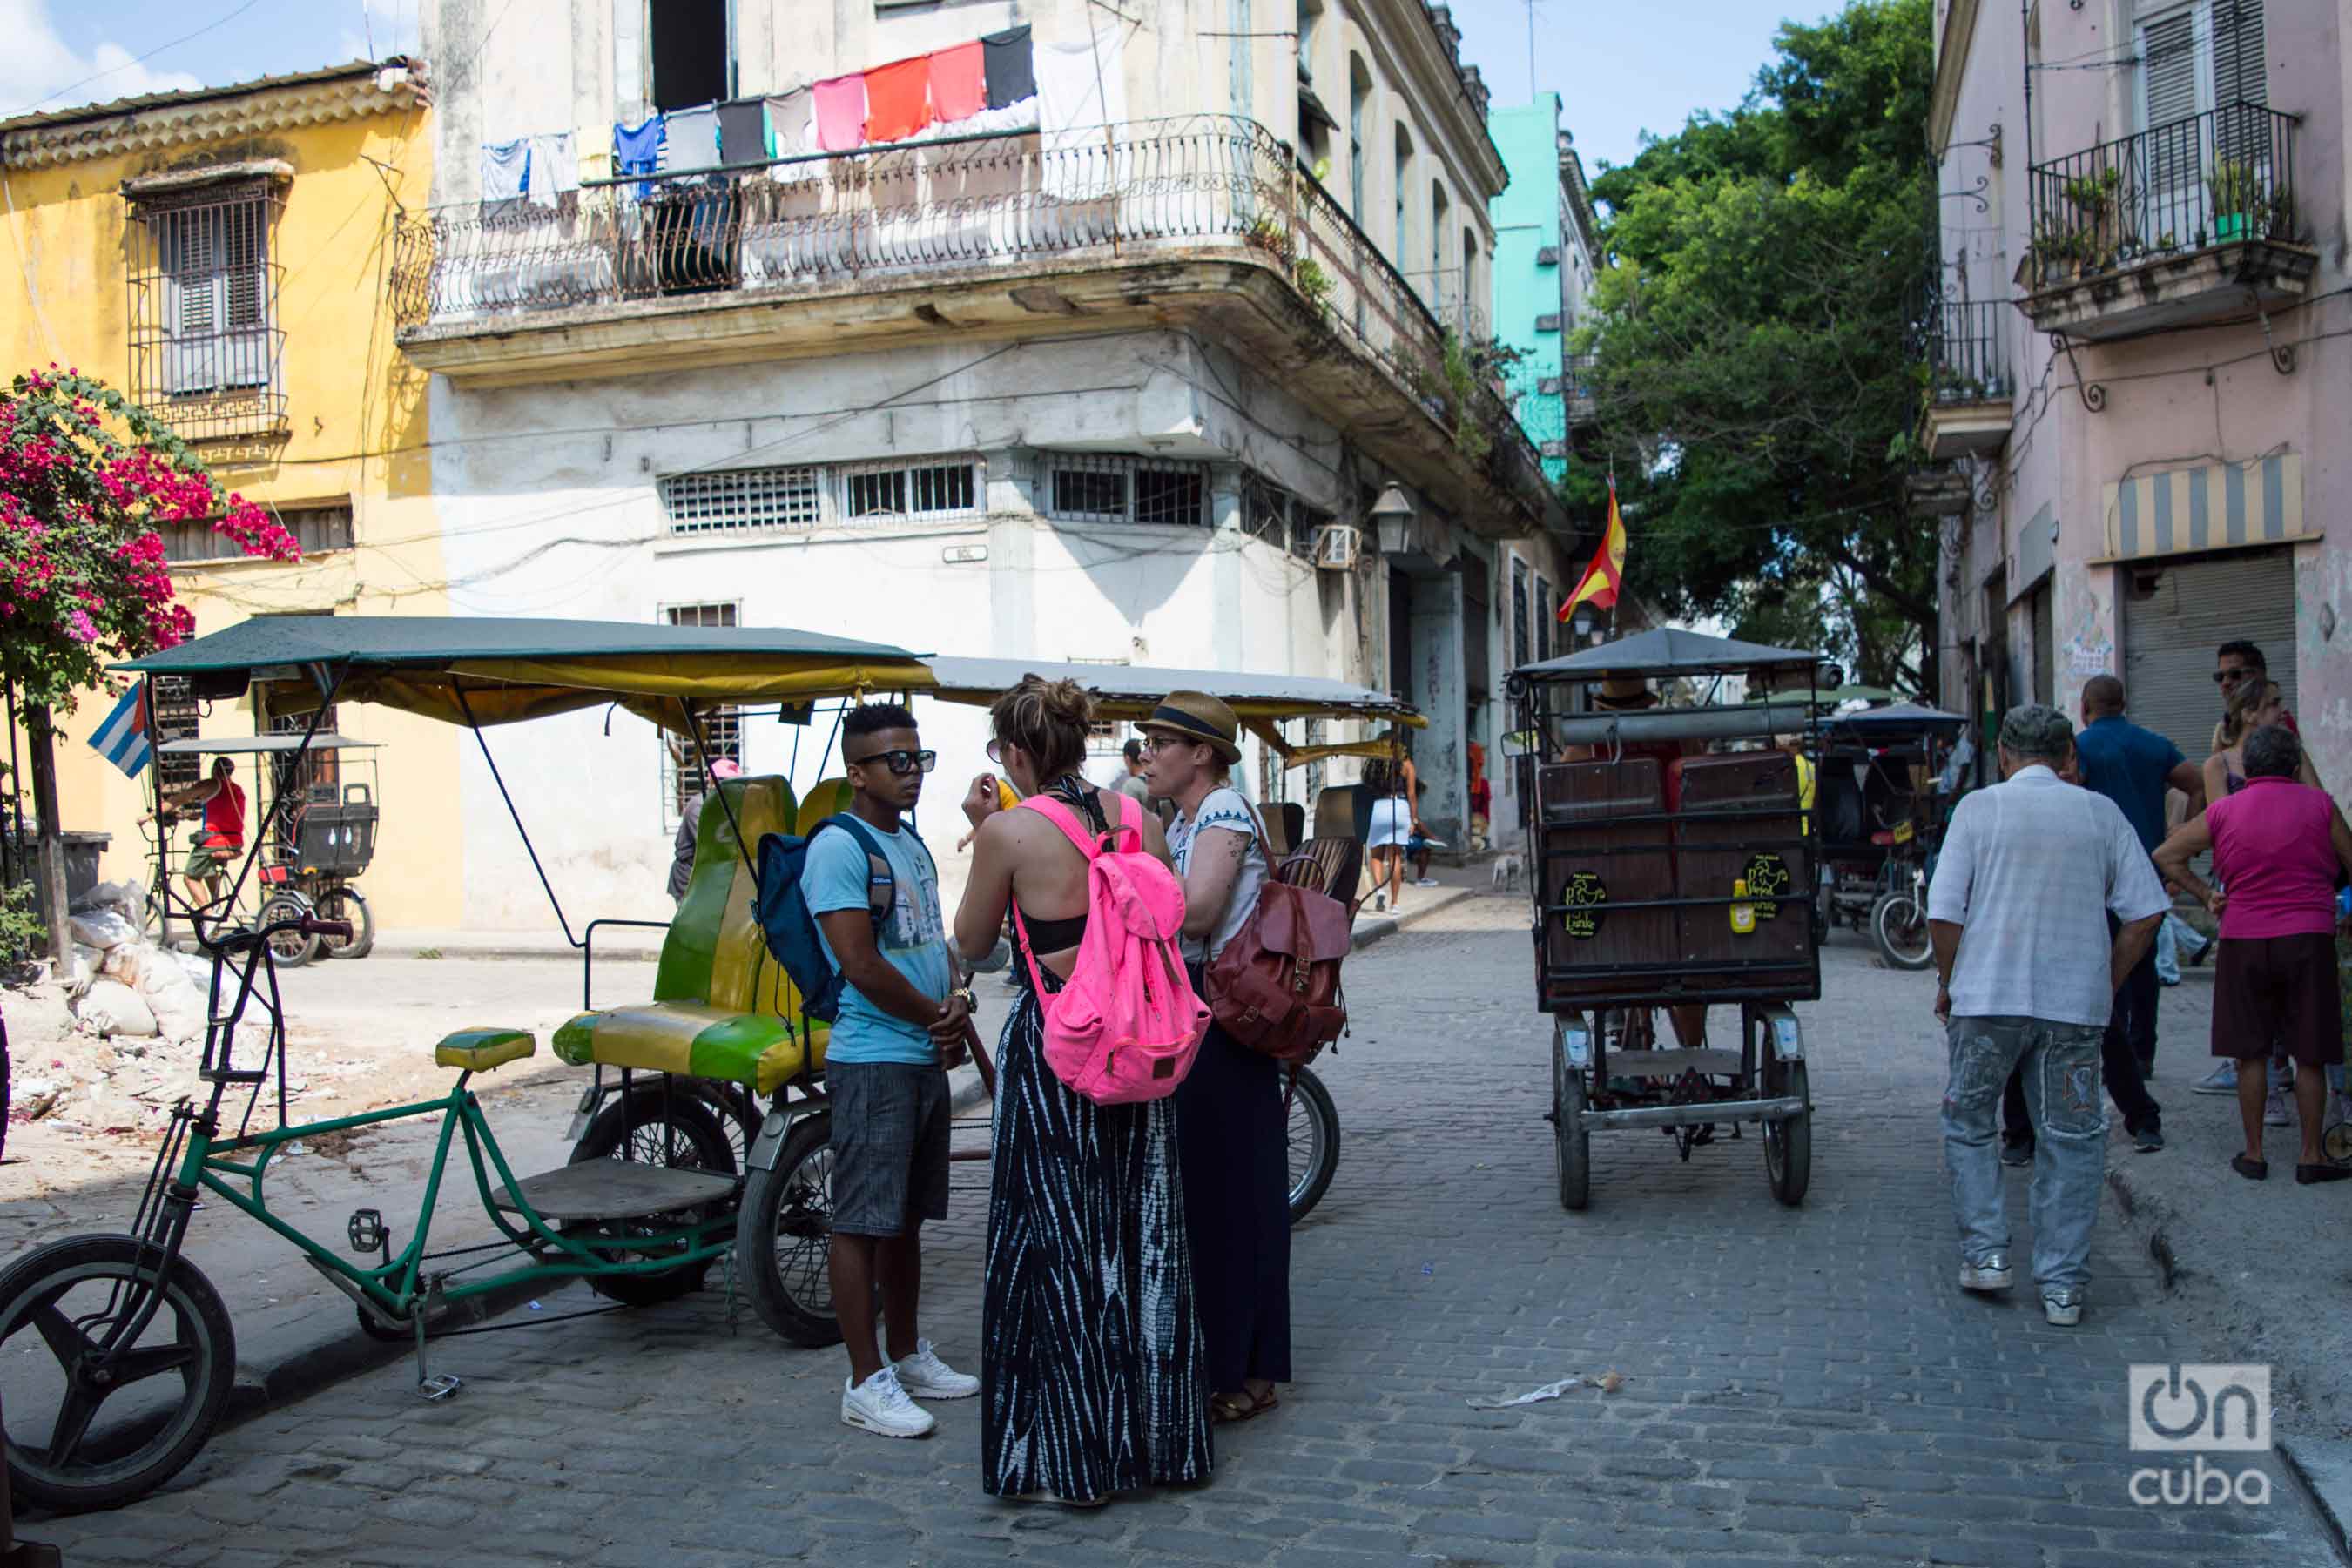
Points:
(223, 256)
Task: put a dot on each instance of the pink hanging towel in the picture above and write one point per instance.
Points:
(958, 81)
(841, 113)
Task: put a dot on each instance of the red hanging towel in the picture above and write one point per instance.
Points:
(959, 82)
(841, 113)
(898, 98)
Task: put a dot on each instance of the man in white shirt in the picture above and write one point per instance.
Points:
(2030, 870)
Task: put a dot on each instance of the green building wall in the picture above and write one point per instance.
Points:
(1527, 220)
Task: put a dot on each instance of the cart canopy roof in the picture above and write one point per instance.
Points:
(257, 745)
(1667, 651)
(518, 668)
(1900, 719)
(1131, 691)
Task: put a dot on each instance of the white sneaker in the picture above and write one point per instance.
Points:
(1992, 1274)
(926, 1376)
(2274, 1110)
(880, 1405)
(2063, 1309)
(1425, 882)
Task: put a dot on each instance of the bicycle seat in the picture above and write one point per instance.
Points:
(723, 1008)
(480, 1050)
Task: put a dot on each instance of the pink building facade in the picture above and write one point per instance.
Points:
(2140, 373)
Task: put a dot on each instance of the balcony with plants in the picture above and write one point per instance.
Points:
(1969, 385)
(2183, 224)
(1206, 221)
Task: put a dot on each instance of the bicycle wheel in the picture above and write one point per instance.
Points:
(1789, 1146)
(1900, 925)
(345, 904)
(655, 1128)
(783, 1239)
(1571, 1140)
(164, 1390)
(291, 950)
(1313, 1133)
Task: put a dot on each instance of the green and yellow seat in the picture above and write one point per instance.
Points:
(723, 1008)
(826, 798)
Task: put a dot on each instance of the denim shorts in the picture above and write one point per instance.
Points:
(890, 1146)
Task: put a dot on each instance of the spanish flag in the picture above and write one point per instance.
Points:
(1607, 568)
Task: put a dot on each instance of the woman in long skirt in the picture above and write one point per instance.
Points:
(1091, 1370)
(1229, 1108)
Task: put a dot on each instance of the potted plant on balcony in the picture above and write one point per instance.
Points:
(2237, 203)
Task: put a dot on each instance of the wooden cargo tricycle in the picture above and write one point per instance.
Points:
(1668, 877)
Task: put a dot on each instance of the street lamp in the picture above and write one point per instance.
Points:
(1392, 516)
(1579, 621)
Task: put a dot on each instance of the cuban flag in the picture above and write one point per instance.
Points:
(123, 738)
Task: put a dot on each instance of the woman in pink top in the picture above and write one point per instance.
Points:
(2277, 845)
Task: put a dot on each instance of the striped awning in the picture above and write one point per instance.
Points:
(2215, 506)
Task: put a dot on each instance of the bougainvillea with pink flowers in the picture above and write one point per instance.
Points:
(88, 479)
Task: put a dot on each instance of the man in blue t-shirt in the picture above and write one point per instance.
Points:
(2134, 767)
(900, 1028)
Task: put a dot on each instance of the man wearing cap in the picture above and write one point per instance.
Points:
(689, 828)
(2026, 975)
(1231, 1150)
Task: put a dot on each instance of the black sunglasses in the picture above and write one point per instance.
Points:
(900, 762)
(2232, 674)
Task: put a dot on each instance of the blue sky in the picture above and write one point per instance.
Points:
(1622, 69)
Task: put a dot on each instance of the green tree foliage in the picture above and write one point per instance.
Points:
(1755, 387)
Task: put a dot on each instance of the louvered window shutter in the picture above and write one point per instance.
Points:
(2168, 76)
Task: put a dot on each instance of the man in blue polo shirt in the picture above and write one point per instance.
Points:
(2134, 767)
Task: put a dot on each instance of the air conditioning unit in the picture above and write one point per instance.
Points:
(1335, 546)
(1548, 256)
(1548, 323)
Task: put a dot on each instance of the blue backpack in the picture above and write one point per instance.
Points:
(781, 906)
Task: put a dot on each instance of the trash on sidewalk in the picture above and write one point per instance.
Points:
(1608, 1382)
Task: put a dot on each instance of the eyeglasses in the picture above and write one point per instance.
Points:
(900, 762)
(1157, 743)
(2222, 677)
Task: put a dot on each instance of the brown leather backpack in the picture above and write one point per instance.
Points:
(1276, 985)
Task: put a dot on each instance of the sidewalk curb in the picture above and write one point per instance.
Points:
(1371, 928)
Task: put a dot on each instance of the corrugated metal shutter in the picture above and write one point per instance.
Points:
(2045, 636)
(2173, 624)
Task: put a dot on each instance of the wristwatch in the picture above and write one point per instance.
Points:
(963, 993)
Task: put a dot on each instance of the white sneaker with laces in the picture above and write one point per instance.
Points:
(926, 1376)
(2274, 1110)
(880, 1405)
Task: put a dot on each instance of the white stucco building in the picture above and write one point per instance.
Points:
(1113, 372)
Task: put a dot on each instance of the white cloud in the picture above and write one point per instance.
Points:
(39, 63)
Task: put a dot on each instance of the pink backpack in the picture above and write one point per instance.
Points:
(1126, 1025)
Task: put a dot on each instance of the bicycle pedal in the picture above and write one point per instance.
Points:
(366, 1231)
(438, 1386)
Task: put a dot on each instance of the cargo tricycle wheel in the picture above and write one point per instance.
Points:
(1789, 1146)
(1312, 1133)
(784, 1237)
(1571, 1143)
(657, 1126)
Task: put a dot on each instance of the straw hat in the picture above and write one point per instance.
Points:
(1197, 716)
(1620, 690)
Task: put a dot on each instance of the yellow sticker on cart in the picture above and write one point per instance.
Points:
(1585, 894)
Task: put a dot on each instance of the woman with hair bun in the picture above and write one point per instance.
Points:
(1092, 1376)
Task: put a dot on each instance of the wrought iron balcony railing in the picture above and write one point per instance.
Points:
(1968, 351)
(2218, 178)
(953, 204)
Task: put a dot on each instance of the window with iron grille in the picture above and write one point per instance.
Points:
(917, 490)
(722, 727)
(318, 529)
(1128, 490)
(1544, 613)
(743, 500)
(205, 342)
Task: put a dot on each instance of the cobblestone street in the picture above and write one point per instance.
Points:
(1799, 1385)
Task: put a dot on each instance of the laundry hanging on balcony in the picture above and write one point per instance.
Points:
(553, 168)
(506, 168)
(637, 150)
(1007, 67)
(841, 113)
(1081, 89)
(743, 131)
(898, 100)
(960, 81)
(691, 141)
